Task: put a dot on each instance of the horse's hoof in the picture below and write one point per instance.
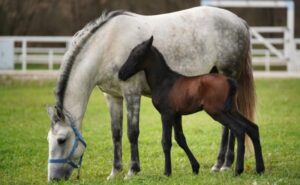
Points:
(113, 173)
(215, 168)
(224, 168)
(129, 175)
(110, 177)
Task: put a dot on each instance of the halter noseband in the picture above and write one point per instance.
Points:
(68, 160)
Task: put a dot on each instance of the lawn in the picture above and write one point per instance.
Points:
(24, 125)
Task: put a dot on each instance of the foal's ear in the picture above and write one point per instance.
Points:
(149, 42)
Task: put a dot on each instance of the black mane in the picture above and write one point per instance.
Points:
(82, 36)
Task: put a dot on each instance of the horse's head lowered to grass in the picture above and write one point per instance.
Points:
(66, 145)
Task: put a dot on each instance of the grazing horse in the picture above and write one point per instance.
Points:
(192, 41)
(174, 95)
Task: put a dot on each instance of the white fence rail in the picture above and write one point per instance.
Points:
(32, 50)
(269, 52)
(266, 52)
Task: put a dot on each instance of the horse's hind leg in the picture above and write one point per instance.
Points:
(239, 131)
(229, 157)
(133, 110)
(116, 116)
(222, 151)
(180, 139)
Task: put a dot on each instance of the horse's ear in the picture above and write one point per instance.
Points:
(59, 113)
(50, 111)
(149, 42)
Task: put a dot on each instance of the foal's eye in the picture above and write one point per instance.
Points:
(61, 141)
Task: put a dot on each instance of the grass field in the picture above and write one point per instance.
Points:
(24, 125)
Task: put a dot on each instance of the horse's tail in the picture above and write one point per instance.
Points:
(246, 96)
(230, 102)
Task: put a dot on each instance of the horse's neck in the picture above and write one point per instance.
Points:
(158, 72)
(78, 91)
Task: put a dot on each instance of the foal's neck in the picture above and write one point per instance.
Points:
(157, 71)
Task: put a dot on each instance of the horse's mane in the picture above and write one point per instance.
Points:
(78, 41)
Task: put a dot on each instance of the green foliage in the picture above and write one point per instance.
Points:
(24, 125)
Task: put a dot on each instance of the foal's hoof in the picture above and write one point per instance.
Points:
(260, 170)
(168, 174)
(196, 169)
(238, 172)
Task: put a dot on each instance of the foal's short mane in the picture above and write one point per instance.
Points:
(78, 41)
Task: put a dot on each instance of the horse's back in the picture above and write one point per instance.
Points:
(192, 41)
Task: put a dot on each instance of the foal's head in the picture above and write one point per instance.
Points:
(137, 59)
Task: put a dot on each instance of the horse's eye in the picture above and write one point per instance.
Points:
(61, 141)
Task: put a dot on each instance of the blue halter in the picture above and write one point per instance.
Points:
(68, 160)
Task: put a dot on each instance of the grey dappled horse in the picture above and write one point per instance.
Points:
(192, 41)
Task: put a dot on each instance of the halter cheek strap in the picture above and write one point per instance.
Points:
(68, 159)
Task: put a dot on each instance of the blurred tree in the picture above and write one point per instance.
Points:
(65, 17)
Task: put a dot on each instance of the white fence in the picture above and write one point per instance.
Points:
(269, 52)
(36, 50)
(266, 52)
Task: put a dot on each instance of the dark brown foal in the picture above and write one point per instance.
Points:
(174, 95)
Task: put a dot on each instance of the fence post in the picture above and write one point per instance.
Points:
(50, 59)
(24, 55)
(267, 60)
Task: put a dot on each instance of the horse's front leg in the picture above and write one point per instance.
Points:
(115, 105)
(133, 110)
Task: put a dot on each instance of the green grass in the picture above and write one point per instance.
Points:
(36, 66)
(24, 125)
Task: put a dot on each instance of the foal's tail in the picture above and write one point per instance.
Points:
(246, 97)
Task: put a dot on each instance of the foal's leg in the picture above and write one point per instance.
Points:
(116, 115)
(166, 141)
(222, 150)
(253, 132)
(133, 110)
(180, 139)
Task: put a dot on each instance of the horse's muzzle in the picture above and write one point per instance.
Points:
(58, 172)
